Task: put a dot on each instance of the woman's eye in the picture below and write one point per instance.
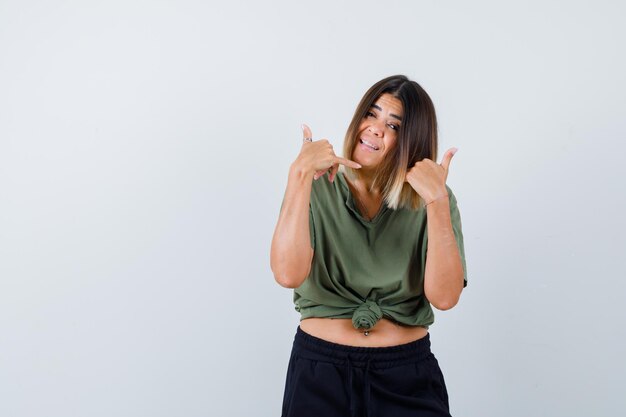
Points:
(394, 127)
(369, 114)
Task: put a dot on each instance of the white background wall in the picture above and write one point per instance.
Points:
(144, 147)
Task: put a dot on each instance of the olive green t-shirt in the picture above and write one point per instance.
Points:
(366, 270)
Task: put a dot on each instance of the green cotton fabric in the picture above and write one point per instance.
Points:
(367, 270)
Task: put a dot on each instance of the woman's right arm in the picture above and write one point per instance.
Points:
(291, 253)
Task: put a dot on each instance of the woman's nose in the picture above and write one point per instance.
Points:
(376, 128)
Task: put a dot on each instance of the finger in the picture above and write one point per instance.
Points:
(319, 174)
(333, 172)
(306, 132)
(447, 157)
(347, 162)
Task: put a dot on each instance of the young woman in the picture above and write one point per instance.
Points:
(368, 249)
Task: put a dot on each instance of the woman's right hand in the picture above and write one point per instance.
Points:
(293, 242)
(318, 157)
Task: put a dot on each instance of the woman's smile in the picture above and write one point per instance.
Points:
(368, 145)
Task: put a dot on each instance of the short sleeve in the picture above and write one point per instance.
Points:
(311, 227)
(455, 218)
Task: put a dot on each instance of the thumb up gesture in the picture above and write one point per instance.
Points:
(428, 178)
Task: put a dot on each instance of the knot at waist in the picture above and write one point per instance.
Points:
(366, 315)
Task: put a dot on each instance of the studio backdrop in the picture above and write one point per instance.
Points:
(144, 152)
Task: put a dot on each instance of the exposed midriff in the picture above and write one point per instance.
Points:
(341, 331)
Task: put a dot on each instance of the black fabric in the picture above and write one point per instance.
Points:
(326, 379)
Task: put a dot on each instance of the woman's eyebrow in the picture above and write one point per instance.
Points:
(377, 107)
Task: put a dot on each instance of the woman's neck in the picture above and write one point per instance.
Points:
(369, 202)
(364, 183)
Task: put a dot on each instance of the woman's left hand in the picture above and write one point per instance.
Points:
(428, 178)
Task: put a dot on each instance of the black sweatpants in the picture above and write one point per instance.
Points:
(327, 379)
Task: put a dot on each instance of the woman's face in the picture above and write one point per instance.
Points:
(378, 131)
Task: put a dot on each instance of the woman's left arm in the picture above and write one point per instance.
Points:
(443, 275)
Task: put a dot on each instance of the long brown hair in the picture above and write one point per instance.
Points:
(416, 140)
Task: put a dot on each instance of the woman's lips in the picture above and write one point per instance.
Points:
(368, 145)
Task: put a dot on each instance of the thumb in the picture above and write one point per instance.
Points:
(306, 132)
(447, 157)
